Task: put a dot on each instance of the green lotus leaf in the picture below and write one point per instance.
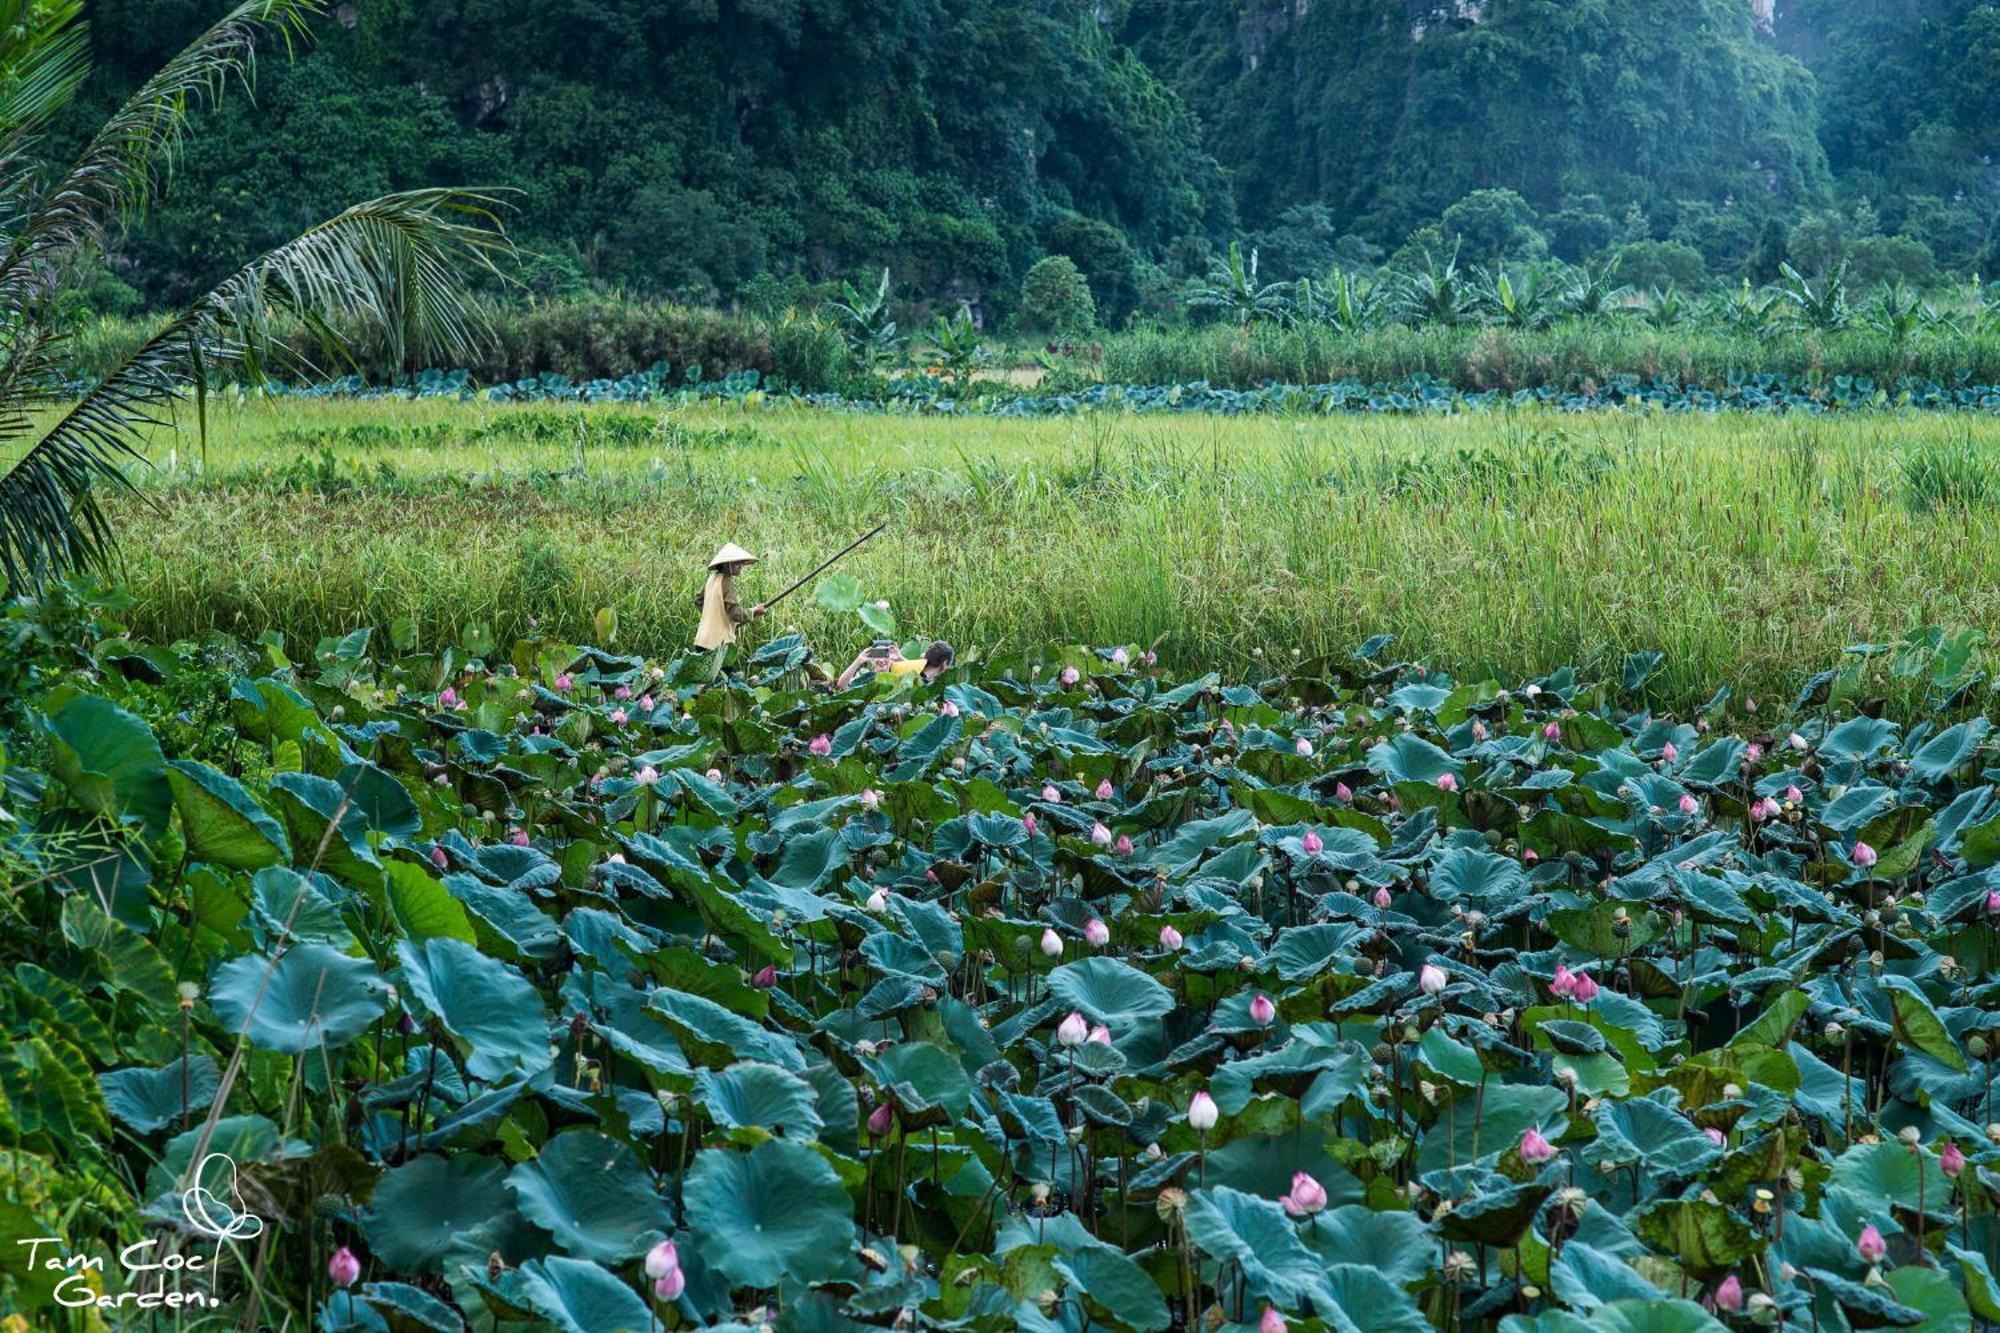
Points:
(1255, 1235)
(1107, 991)
(1372, 1301)
(150, 1099)
(775, 1214)
(760, 1095)
(312, 996)
(591, 1194)
(430, 1205)
(579, 1296)
(412, 1307)
(493, 1009)
(1395, 1244)
(1110, 1280)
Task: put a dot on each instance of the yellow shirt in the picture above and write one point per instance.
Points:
(907, 666)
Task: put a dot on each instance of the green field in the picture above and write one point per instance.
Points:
(1749, 549)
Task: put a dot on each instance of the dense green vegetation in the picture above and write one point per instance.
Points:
(762, 153)
(1500, 543)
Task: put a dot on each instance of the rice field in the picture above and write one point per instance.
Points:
(1750, 550)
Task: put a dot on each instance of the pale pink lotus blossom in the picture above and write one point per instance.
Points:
(564, 683)
(1864, 855)
(1202, 1112)
(878, 901)
(1073, 1031)
(1028, 823)
(662, 1259)
(1096, 933)
(1311, 842)
(518, 837)
(1564, 983)
(343, 1268)
(1262, 1011)
(1951, 1161)
(1447, 782)
(1104, 790)
(1870, 1245)
(1302, 747)
(1307, 1196)
(1382, 898)
(1271, 1321)
(1052, 944)
(1170, 939)
(1729, 1295)
(1070, 676)
(715, 775)
(1716, 1136)
(622, 692)
(1669, 753)
(618, 717)
(1431, 979)
(1688, 804)
(646, 776)
(1552, 731)
(1798, 742)
(1342, 792)
(1100, 1035)
(1050, 794)
(821, 745)
(1099, 834)
(1535, 1149)
(1584, 989)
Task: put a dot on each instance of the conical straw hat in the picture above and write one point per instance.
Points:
(732, 554)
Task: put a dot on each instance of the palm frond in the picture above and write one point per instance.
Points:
(44, 56)
(389, 265)
(117, 173)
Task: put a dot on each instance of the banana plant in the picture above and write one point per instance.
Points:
(1666, 308)
(1345, 302)
(956, 341)
(1592, 293)
(1900, 313)
(1437, 293)
(1751, 311)
(1233, 287)
(1821, 307)
(1526, 304)
(866, 325)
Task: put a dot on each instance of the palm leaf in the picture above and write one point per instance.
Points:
(389, 265)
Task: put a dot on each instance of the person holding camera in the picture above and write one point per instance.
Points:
(884, 658)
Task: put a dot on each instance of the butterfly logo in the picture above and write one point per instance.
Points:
(211, 1215)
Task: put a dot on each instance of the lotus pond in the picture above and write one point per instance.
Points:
(1060, 993)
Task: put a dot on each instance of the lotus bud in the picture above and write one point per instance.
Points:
(438, 856)
(1564, 982)
(1447, 782)
(564, 684)
(1262, 1011)
(1478, 730)
(1993, 902)
(1870, 1245)
(1170, 939)
(1310, 841)
(1028, 823)
(670, 1287)
(1050, 794)
(1689, 805)
(1528, 855)
(1342, 792)
(1798, 742)
(518, 837)
(1583, 989)
(1552, 731)
(1382, 899)
(1432, 979)
(1120, 658)
(1271, 1321)
(1752, 753)
(1100, 835)
(1202, 1112)
(343, 1268)
(1307, 1196)
(1951, 1161)
(646, 703)
(766, 977)
(870, 799)
(879, 1118)
(1070, 676)
(1052, 945)
(1104, 790)
(820, 745)
(948, 709)
(1096, 933)
(715, 775)
(1864, 855)
(1669, 753)
(1123, 846)
(1729, 1295)
(661, 1260)
(1073, 1031)
(1535, 1149)
(1100, 1035)
(1793, 794)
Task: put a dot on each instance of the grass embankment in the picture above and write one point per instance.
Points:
(1749, 549)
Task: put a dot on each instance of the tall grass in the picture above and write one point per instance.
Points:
(1569, 356)
(1749, 549)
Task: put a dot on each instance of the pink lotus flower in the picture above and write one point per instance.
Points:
(1951, 1161)
(1552, 731)
(1119, 657)
(1431, 979)
(1759, 812)
(1302, 747)
(1447, 782)
(1752, 753)
(1096, 933)
(767, 977)
(518, 837)
(1028, 823)
(1583, 989)
(879, 1119)
(870, 798)
(1074, 1030)
(670, 1287)
(1307, 1197)
(1715, 1136)
(1864, 855)
(1311, 842)
(1342, 792)
(1123, 846)
(1262, 1011)
(438, 857)
(662, 1259)
(1099, 834)
(447, 697)
(1729, 1295)
(1793, 794)
(1669, 753)
(821, 745)
(1564, 982)
(1798, 742)
(1529, 855)
(564, 684)
(1170, 939)
(1104, 790)
(1870, 1245)
(343, 1267)
(1052, 945)
(878, 901)
(714, 775)
(1100, 1035)
(1689, 805)
(1271, 1321)
(948, 709)
(1535, 1149)
(1050, 794)
(1070, 676)
(622, 692)
(1993, 902)
(1149, 657)
(1202, 1112)
(1478, 731)
(616, 858)
(618, 717)
(646, 776)
(1382, 898)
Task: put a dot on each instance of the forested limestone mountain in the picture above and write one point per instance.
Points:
(710, 148)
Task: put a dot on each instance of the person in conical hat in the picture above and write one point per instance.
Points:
(721, 612)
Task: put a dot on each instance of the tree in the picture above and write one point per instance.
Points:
(1055, 297)
(1490, 226)
(389, 266)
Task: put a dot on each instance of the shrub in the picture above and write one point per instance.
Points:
(1646, 265)
(1875, 260)
(1055, 298)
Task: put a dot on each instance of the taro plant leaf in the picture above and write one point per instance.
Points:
(759, 1095)
(1949, 750)
(1931, 1294)
(150, 1099)
(222, 822)
(315, 996)
(1233, 1227)
(578, 1296)
(487, 1003)
(776, 1214)
(592, 1195)
(109, 761)
(425, 1207)
(1107, 991)
(47, 1089)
